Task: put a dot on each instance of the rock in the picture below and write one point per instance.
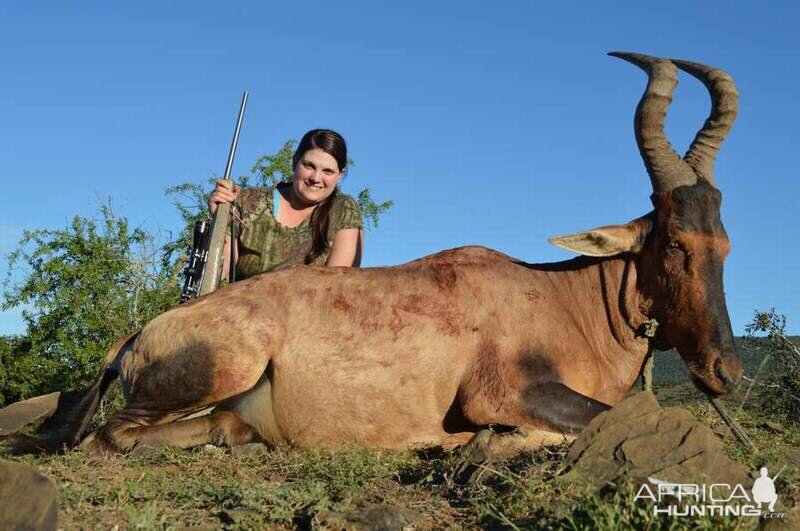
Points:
(639, 439)
(25, 412)
(722, 431)
(27, 498)
(772, 426)
(374, 517)
(386, 517)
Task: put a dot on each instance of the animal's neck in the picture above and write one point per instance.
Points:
(612, 321)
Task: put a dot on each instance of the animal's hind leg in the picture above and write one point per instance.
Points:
(165, 385)
(221, 428)
(171, 389)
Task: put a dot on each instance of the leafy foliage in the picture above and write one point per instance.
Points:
(18, 371)
(784, 382)
(84, 286)
(270, 170)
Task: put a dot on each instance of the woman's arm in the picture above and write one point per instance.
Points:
(348, 245)
(226, 255)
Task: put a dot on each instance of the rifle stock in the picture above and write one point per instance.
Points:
(209, 281)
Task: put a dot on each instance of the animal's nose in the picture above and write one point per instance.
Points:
(728, 371)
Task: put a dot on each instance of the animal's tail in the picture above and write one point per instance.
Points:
(65, 428)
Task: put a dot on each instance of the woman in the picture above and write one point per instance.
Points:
(306, 221)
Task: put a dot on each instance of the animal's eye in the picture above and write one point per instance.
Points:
(677, 255)
(675, 249)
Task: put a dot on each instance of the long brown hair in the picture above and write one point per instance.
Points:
(334, 145)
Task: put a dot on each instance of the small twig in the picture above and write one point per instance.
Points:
(506, 521)
(771, 386)
(493, 471)
(741, 436)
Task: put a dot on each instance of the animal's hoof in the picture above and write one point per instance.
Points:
(472, 458)
(94, 445)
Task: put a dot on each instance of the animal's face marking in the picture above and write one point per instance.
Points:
(682, 269)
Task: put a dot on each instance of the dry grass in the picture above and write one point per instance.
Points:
(287, 488)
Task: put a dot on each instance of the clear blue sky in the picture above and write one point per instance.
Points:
(496, 125)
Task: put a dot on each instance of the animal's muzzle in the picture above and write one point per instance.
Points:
(724, 375)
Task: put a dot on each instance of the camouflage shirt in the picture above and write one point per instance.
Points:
(265, 244)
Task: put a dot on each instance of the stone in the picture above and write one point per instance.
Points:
(772, 426)
(639, 439)
(25, 412)
(722, 431)
(27, 498)
(373, 517)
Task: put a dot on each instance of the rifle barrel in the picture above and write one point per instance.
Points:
(235, 141)
(209, 281)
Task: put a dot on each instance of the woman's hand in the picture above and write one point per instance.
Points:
(224, 192)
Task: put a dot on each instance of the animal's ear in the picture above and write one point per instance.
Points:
(608, 240)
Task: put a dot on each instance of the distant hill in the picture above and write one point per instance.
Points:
(670, 368)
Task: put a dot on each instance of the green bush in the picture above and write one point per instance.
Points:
(82, 287)
(781, 385)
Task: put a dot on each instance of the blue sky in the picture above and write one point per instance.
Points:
(496, 125)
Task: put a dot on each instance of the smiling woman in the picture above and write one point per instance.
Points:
(306, 221)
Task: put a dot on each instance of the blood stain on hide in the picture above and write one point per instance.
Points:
(340, 303)
(444, 275)
(446, 319)
(487, 375)
(308, 294)
(397, 324)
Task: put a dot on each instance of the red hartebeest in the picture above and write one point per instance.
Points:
(431, 351)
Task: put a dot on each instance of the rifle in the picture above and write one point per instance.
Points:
(202, 272)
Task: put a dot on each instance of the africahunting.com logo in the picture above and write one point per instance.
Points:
(718, 499)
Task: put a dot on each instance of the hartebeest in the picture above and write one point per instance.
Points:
(429, 352)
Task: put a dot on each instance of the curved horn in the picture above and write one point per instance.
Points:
(724, 103)
(666, 169)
